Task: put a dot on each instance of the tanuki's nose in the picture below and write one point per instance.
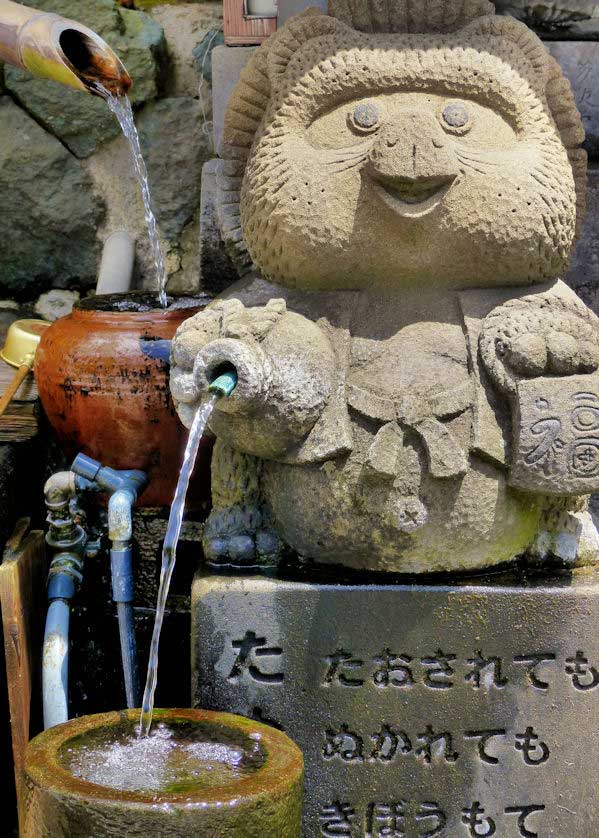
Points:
(413, 147)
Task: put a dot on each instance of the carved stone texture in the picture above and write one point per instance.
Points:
(408, 180)
(557, 435)
(421, 710)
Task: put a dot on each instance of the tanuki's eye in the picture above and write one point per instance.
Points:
(456, 118)
(365, 118)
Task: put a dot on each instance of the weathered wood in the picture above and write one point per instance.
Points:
(22, 584)
(16, 381)
(27, 392)
(20, 423)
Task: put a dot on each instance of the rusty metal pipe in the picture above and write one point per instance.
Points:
(54, 47)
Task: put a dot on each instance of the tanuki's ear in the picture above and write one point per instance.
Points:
(558, 93)
(409, 16)
(247, 105)
(258, 80)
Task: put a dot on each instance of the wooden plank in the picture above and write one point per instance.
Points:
(27, 392)
(22, 597)
(19, 423)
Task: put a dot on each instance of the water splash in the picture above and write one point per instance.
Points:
(121, 108)
(169, 553)
(167, 760)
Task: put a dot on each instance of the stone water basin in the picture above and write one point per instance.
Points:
(198, 773)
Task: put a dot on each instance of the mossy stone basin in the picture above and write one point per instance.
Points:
(257, 796)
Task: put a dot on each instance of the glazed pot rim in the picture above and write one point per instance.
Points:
(105, 307)
(283, 762)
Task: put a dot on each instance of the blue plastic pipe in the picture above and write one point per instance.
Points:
(224, 384)
(55, 672)
(62, 585)
(121, 563)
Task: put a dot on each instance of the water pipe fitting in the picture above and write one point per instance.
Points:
(116, 267)
(108, 479)
(124, 488)
(247, 361)
(67, 539)
(224, 384)
(65, 536)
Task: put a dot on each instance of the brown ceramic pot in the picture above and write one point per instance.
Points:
(265, 802)
(102, 376)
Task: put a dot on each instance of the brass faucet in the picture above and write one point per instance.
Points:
(54, 47)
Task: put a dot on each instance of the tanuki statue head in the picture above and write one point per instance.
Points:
(402, 143)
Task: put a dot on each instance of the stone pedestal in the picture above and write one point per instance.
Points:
(422, 710)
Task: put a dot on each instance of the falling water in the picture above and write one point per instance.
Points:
(169, 553)
(121, 108)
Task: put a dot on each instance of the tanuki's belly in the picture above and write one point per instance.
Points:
(328, 513)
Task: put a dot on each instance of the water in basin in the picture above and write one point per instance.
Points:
(173, 759)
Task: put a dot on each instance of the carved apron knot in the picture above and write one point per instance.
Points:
(447, 456)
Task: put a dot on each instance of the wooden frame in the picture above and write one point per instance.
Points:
(244, 30)
(22, 596)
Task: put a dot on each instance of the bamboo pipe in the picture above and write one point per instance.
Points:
(54, 47)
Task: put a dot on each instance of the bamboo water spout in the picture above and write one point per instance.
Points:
(56, 48)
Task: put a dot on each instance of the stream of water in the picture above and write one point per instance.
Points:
(121, 108)
(169, 553)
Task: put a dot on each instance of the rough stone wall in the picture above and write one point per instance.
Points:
(556, 18)
(65, 175)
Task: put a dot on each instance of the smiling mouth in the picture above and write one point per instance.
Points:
(414, 197)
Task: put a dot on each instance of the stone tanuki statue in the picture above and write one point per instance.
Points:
(402, 183)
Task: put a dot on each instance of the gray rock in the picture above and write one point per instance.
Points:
(583, 276)
(55, 304)
(82, 122)
(186, 280)
(50, 213)
(9, 312)
(175, 149)
(100, 15)
(203, 52)
(227, 64)
(185, 26)
(580, 62)
(142, 48)
(555, 18)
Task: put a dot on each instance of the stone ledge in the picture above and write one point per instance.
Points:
(393, 704)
